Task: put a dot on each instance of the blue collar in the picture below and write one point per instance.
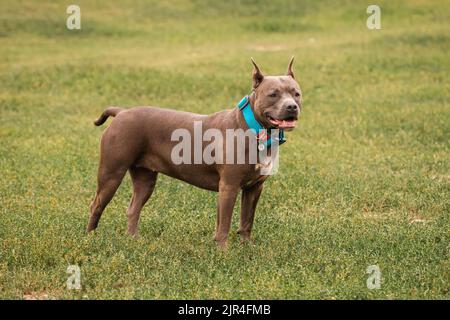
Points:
(262, 134)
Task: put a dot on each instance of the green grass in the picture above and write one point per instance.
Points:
(364, 179)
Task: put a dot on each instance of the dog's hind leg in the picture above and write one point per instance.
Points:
(108, 182)
(144, 182)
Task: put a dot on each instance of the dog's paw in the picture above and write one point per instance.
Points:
(247, 241)
(222, 245)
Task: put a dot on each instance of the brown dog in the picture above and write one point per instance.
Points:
(139, 141)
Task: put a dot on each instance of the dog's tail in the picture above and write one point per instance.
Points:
(111, 111)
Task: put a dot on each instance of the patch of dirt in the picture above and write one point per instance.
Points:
(36, 296)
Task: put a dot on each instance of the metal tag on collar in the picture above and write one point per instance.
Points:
(262, 138)
(262, 135)
(261, 146)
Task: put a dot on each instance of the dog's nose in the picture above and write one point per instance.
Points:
(292, 108)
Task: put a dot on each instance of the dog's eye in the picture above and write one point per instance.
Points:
(273, 95)
(297, 94)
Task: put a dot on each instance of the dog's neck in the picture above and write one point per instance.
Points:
(252, 99)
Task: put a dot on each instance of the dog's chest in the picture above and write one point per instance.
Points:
(259, 172)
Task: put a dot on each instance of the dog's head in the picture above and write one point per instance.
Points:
(276, 100)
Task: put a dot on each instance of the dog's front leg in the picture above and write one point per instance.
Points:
(250, 197)
(225, 206)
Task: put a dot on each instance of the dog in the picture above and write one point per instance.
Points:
(139, 141)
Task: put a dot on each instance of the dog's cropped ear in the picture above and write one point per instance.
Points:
(258, 77)
(289, 71)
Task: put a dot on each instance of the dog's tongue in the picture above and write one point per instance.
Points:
(284, 123)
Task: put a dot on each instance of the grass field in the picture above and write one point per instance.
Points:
(364, 179)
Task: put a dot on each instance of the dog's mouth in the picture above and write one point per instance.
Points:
(287, 123)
